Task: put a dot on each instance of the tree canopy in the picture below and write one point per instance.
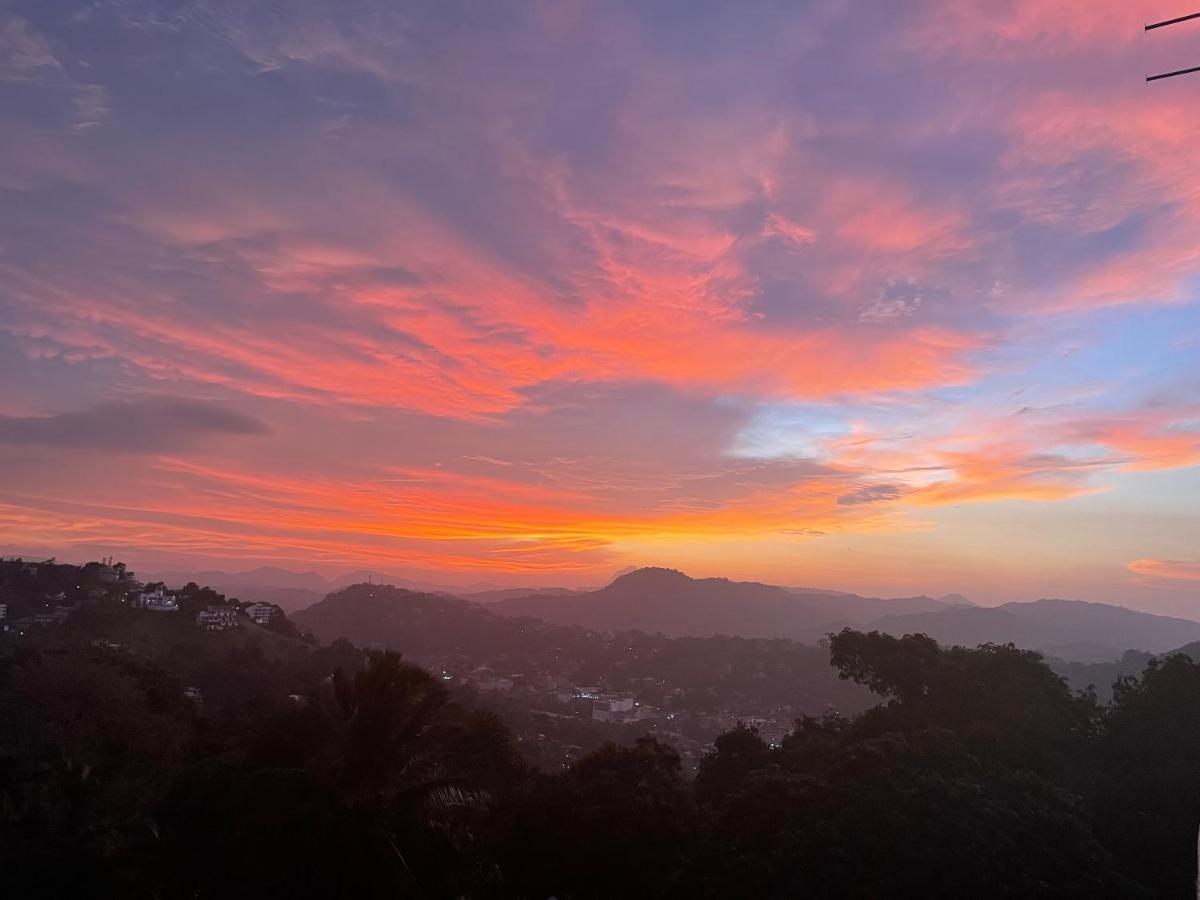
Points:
(979, 773)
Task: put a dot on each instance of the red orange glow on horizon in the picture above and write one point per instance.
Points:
(893, 302)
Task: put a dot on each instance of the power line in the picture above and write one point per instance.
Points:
(1164, 24)
(1173, 74)
(1174, 21)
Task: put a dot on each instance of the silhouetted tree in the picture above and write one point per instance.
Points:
(1004, 703)
(1147, 775)
(737, 755)
(614, 825)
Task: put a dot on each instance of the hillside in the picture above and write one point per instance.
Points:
(1070, 629)
(739, 674)
(852, 609)
(497, 594)
(418, 623)
(298, 590)
(669, 602)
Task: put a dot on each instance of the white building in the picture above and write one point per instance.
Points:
(261, 613)
(218, 618)
(157, 600)
(613, 708)
(114, 573)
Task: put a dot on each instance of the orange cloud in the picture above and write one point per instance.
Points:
(696, 219)
(1170, 569)
(999, 459)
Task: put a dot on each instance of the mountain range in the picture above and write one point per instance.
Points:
(666, 601)
(1069, 629)
(659, 600)
(669, 602)
(416, 622)
(298, 590)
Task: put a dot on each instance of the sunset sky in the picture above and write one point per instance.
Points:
(886, 297)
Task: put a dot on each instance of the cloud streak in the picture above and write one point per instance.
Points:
(537, 289)
(146, 425)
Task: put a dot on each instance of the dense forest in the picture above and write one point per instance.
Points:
(337, 772)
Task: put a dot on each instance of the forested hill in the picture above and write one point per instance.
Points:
(979, 775)
(1068, 628)
(422, 623)
(742, 676)
(672, 603)
(144, 756)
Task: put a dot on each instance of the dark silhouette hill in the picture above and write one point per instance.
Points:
(497, 594)
(267, 584)
(420, 623)
(436, 629)
(299, 590)
(669, 602)
(853, 609)
(1069, 629)
(264, 577)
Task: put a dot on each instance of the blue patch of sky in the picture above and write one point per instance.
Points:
(1100, 361)
(1110, 358)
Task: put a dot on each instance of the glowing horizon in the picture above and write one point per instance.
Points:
(895, 300)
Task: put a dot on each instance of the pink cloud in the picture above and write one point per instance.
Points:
(1169, 569)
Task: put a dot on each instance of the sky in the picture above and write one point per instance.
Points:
(894, 298)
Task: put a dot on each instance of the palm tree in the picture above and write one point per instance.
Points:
(393, 760)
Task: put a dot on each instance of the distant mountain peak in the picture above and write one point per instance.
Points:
(1066, 628)
(650, 576)
(954, 600)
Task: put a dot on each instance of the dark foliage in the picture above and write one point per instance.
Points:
(313, 771)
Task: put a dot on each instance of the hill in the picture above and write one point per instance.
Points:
(298, 590)
(669, 602)
(270, 577)
(1070, 629)
(496, 594)
(852, 609)
(729, 676)
(266, 584)
(424, 624)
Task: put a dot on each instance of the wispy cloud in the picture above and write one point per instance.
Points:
(539, 275)
(1169, 569)
(146, 425)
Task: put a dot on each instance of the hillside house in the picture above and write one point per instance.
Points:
(114, 573)
(261, 613)
(613, 708)
(157, 600)
(218, 618)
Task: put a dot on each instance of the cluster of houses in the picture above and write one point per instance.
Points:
(617, 708)
(157, 600)
(566, 710)
(215, 617)
(119, 582)
(220, 617)
(599, 705)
